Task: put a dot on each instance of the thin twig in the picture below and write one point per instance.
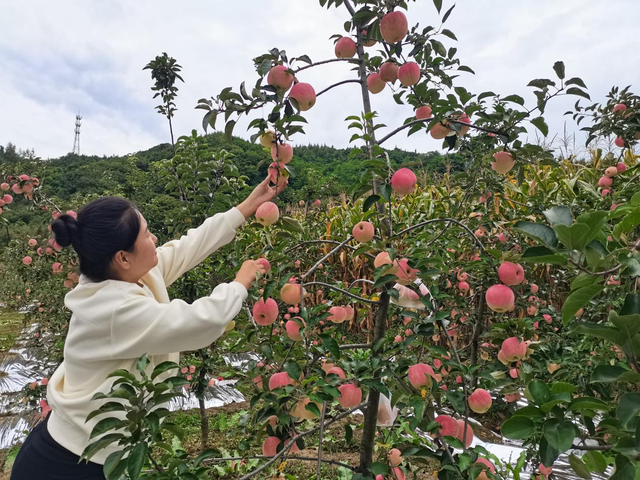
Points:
(299, 436)
(331, 60)
(291, 457)
(344, 292)
(340, 245)
(334, 242)
(324, 412)
(336, 85)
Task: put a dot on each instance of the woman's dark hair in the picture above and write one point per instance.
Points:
(103, 228)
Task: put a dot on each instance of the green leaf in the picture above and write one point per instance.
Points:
(379, 468)
(559, 435)
(596, 461)
(331, 345)
(579, 467)
(611, 373)
(543, 255)
(163, 367)
(105, 425)
(577, 91)
(515, 99)
(291, 225)
(208, 453)
(541, 125)
(559, 215)
(625, 470)
(548, 454)
(228, 130)
(575, 81)
(558, 67)
(123, 374)
(438, 4)
(600, 331)
(578, 299)
(629, 325)
(560, 387)
(142, 364)
(583, 280)
(136, 459)
(539, 391)
(631, 304)
(113, 468)
(518, 428)
(588, 403)
(100, 444)
(293, 369)
(542, 233)
(371, 200)
(628, 408)
(174, 429)
(575, 237)
(107, 407)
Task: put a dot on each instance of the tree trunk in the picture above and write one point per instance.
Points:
(371, 413)
(204, 424)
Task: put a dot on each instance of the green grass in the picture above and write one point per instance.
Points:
(10, 327)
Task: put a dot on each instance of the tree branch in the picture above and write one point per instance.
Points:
(340, 245)
(336, 85)
(299, 436)
(334, 242)
(349, 294)
(331, 60)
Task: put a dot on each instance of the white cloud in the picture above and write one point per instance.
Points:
(59, 58)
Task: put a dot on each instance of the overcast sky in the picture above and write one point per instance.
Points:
(58, 58)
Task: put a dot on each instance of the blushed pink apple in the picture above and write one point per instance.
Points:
(383, 258)
(394, 27)
(621, 166)
(468, 438)
(605, 182)
(27, 260)
(338, 314)
(265, 263)
(267, 214)
(419, 375)
(403, 181)
(504, 162)
(279, 380)
(282, 152)
(265, 313)
(375, 83)
(619, 141)
(291, 293)
(480, 400)
(345, 48)
(439, 131)
(279, 77)
(500, 298)
(389, 72)
(363, 232)
(513, 349)
(337, 371)
(512, 397)
(409, 74)
(511, 273)
(395, 457)
(449, 426)
(611, 172)
(304, 94)
(293, 329)
(423, 112)
(270, 446)
(406, 275)
(350, 395)
(620, 107)
(534, 288)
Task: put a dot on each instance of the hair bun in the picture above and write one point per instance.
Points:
(65, 229)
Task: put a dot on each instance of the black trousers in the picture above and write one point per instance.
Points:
(42, 458)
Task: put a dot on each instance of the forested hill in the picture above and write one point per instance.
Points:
(318, 170)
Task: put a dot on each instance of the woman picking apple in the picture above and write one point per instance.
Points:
(120, 311)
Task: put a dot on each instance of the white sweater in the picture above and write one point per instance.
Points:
(114, 322)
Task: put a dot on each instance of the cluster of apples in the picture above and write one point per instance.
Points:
(606, 181)
(500, 298)
(23, 184)
(282, 78)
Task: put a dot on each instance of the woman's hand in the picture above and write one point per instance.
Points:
(247, 273)
(261, 194)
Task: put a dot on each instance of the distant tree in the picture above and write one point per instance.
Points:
(164, 70)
